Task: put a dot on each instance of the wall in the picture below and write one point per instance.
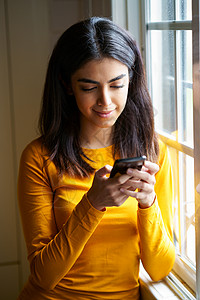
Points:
(24, 27)
(8, 221)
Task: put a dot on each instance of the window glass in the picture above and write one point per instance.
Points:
(180, 10)
(161, 10)
(184, 85)
(184, 10)
(187, 207)
(162, 79)
(184, 206)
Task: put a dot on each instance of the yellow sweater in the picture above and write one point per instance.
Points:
(77, 252)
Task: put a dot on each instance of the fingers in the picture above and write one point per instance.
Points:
(152, 167)
(138, 190)
(141, 184)
(107, 192)
(119, 180)
(141, 176)
(144, 199)
(104, 171)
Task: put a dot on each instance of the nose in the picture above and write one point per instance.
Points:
(104, 97)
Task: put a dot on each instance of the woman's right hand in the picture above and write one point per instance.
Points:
(105, 192)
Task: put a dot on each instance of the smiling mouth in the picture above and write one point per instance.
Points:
(104, 114)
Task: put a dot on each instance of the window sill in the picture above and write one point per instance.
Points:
(163, 289)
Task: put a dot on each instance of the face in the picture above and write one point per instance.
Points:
(100, 88)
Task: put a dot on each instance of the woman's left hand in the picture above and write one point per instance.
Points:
(144, 181)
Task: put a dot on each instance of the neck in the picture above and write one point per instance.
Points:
(95, 139)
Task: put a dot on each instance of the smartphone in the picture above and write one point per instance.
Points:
(121, 165)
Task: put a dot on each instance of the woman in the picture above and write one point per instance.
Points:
(85, 232)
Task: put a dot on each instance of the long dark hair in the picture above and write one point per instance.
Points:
(59, 125)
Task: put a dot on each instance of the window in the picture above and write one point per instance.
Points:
(169, 31)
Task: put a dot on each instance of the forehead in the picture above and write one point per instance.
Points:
(101, 70)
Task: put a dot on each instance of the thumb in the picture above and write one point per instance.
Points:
(151, 167)
(103, 171)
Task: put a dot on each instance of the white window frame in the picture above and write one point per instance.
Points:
(196, 117)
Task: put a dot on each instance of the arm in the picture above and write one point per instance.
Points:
(51, 254)
(155, 224)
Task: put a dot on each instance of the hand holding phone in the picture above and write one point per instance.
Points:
(121, 165)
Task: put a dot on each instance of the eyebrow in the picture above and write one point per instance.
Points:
(87, 80)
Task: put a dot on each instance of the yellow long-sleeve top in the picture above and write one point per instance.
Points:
(78, 252)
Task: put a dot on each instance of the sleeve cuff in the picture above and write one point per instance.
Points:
(92, 207)
(149, 210)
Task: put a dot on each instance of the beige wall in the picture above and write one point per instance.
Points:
(28, 30)
(24, 27)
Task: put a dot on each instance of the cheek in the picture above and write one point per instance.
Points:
(123, 98)
(82, 103)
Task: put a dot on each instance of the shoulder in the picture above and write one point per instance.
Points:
(35, 146)
(35, 150)
(36, 165)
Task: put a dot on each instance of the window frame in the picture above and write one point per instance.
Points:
(196, 118)
(190, 277)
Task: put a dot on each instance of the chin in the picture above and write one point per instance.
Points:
(106, 125)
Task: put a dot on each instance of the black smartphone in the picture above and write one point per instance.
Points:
(121, 165)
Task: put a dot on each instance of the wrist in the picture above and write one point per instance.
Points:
(92, 202)
(147, 205)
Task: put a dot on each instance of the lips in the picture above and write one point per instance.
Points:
(104, 114)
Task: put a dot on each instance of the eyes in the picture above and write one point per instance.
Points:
(95, 87)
